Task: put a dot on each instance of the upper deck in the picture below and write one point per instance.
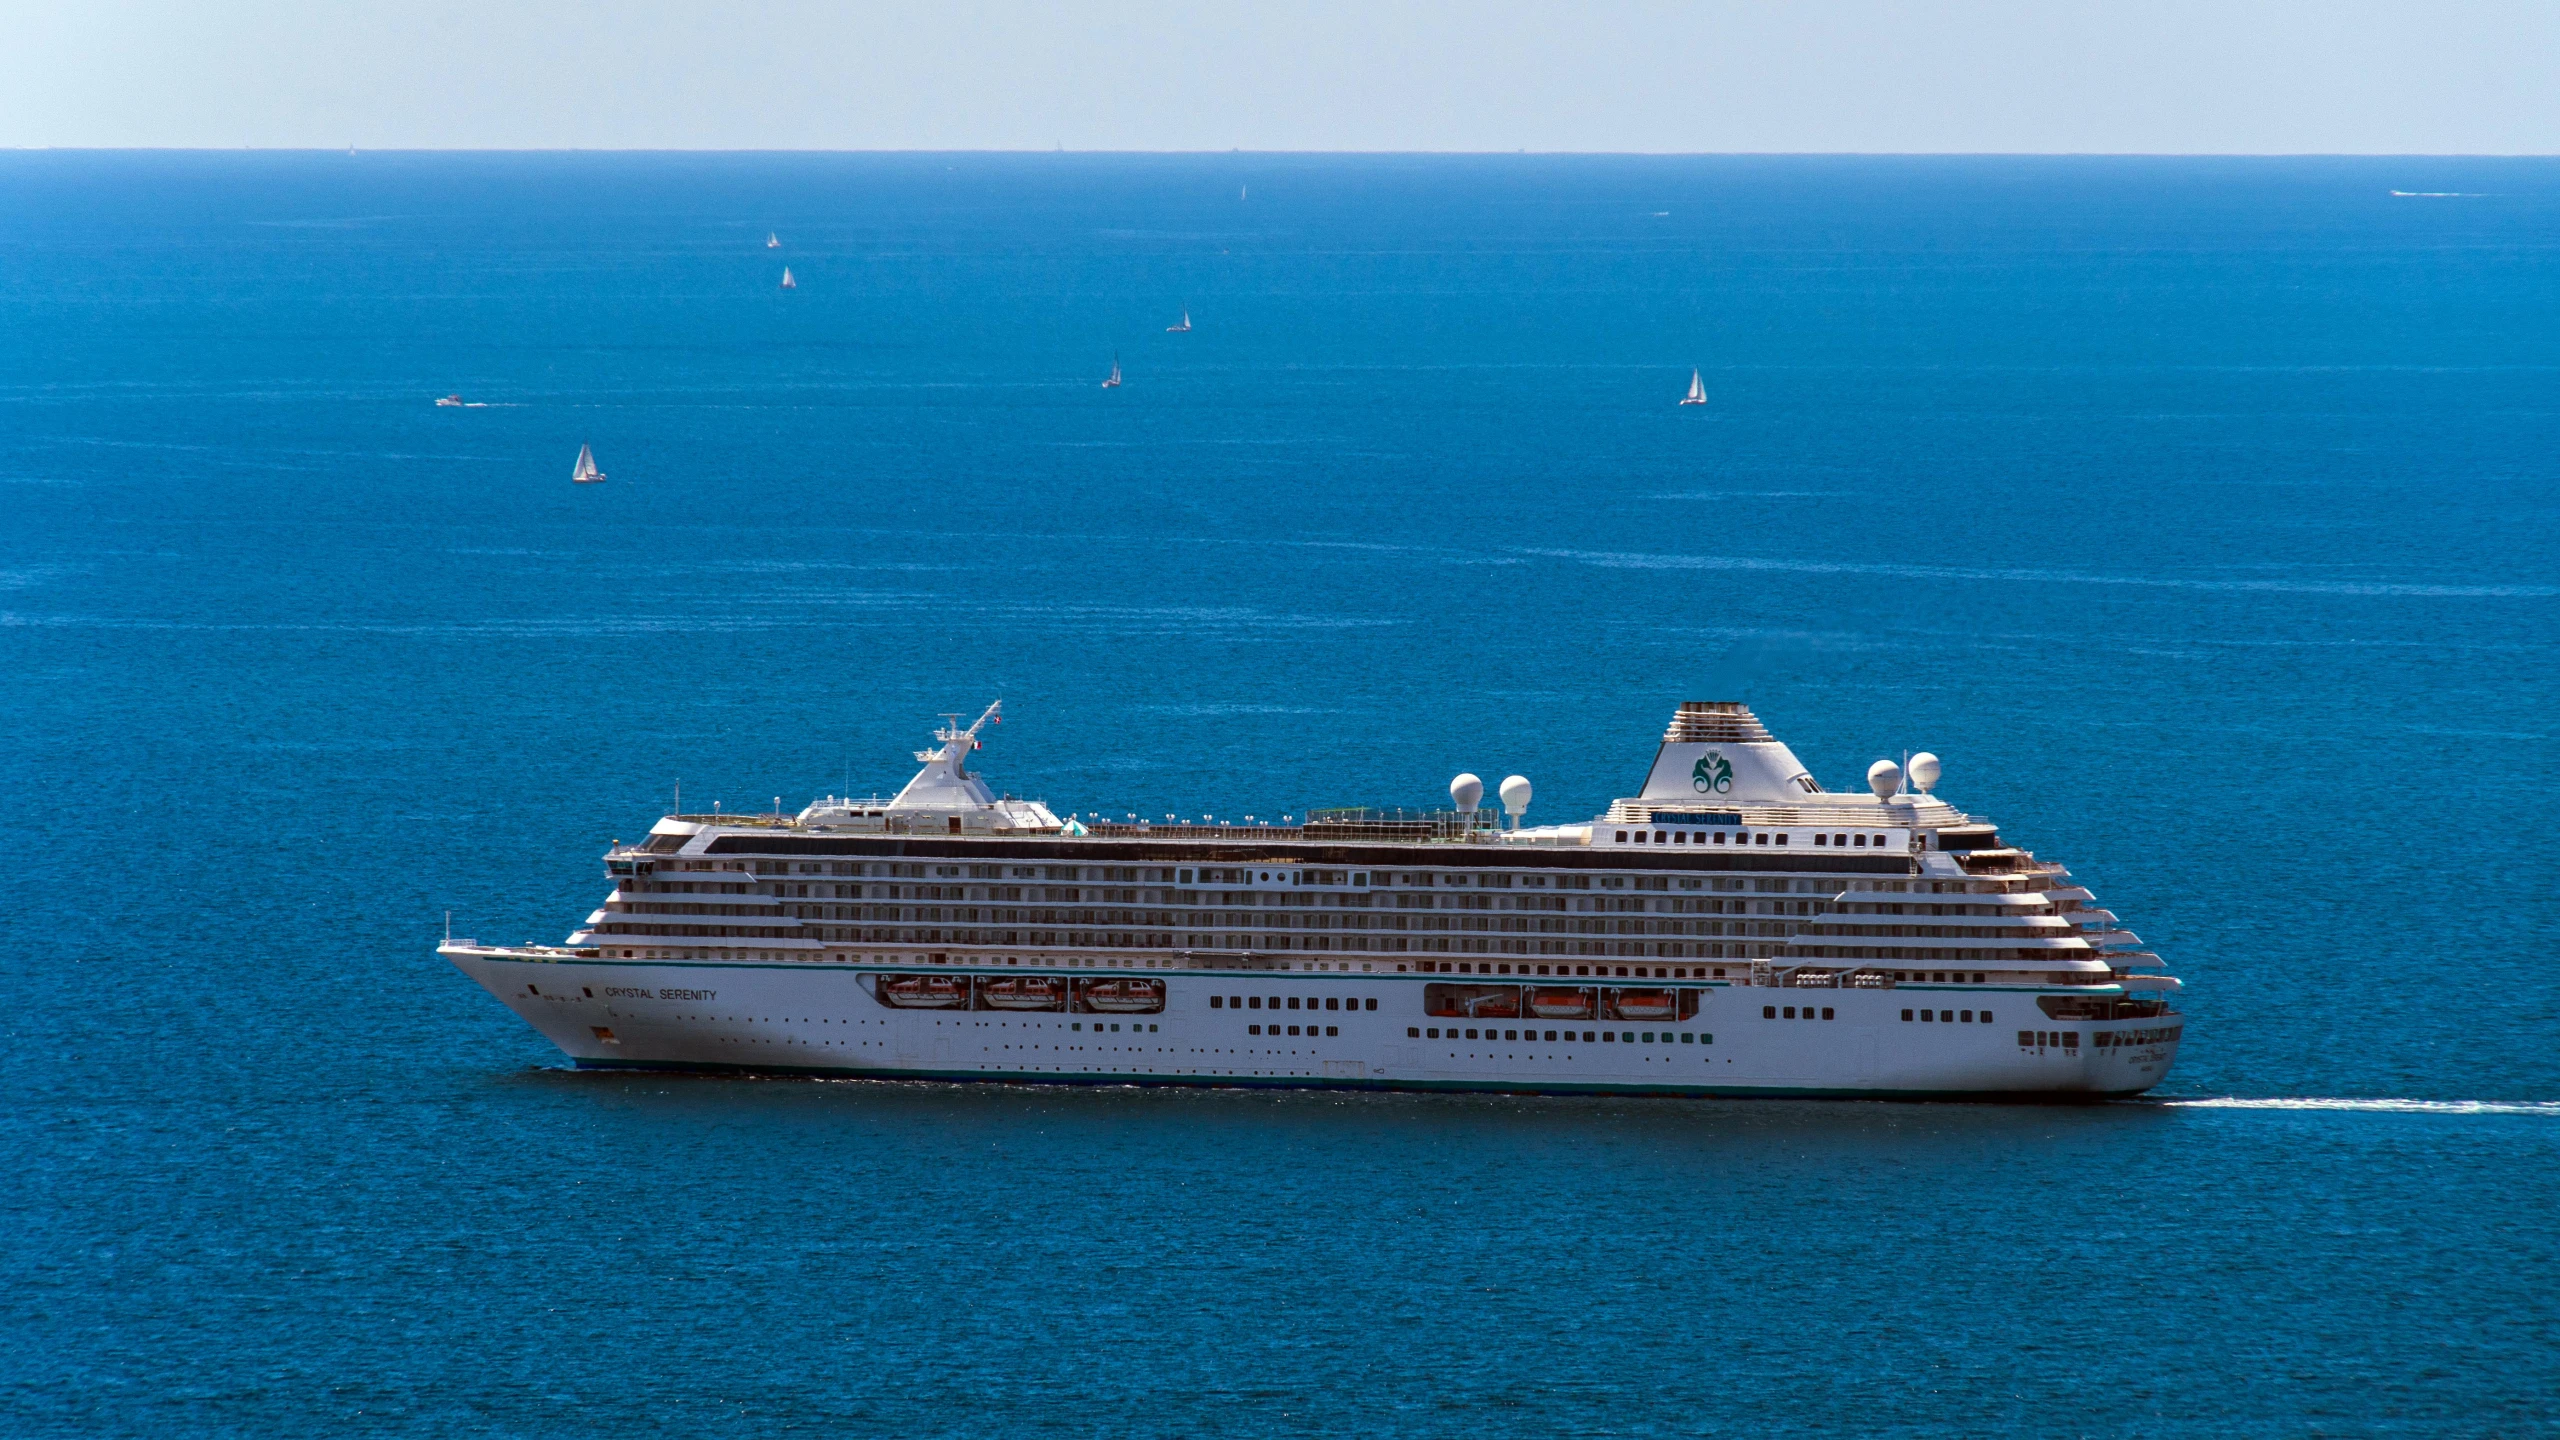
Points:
(1270, 846)
(1770, 871)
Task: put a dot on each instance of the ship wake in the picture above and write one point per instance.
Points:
(2381, 1105)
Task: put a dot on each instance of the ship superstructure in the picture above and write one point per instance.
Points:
(1733, 928)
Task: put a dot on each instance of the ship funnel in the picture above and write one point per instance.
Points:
(1729, 721)
(1717, 753)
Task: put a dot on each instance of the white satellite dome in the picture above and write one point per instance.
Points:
(1924, 772)
(1466, 790)
(1885, 778)
(1515, 793)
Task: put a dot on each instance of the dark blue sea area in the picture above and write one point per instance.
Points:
(2203, 515)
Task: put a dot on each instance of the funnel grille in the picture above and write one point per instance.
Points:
(1728, 721)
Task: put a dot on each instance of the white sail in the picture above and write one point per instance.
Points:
(586, 472)
(772, 241)
(1115, 373)
(1697, 390)
(787, 282)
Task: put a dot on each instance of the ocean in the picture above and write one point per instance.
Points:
(2203, 515)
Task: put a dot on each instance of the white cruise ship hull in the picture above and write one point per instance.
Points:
(1305, 1028)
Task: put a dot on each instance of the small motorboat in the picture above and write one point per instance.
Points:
(449, 402)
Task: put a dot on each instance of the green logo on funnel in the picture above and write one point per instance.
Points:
(1713, 776)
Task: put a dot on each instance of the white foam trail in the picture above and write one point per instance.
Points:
(2382, 1106)
(1633, 560)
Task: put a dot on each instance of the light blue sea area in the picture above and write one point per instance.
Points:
(2203, 515)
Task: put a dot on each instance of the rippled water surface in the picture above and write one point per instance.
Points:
(2201, 515)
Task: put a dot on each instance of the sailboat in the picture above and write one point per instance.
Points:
(1115, 371)
(787, 282)
(1697, 390)
(772, 241)
(1182, 329)
(586, 472)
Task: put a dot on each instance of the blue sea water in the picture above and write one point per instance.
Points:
(2204, 516)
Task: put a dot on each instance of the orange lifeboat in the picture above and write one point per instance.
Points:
(1560, 1004)
(1028, 992)
(1123, 997)
(1644, 1004)
(925, 992)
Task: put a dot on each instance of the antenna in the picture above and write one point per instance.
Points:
(448, 927)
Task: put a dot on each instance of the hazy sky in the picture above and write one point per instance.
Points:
(2273, 76)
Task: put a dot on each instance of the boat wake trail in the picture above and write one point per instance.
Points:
(2385, 1106)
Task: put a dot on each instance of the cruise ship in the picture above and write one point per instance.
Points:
(1732, 929)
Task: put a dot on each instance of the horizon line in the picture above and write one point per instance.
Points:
(992, 151)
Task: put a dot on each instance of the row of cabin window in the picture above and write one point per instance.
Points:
(2036, 1039)
(1131, 874)
(1487, 967)
(1788, 1012)
(1254, 1002)
(1682, 837)
(1630, 1037)
(1311, 1030)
